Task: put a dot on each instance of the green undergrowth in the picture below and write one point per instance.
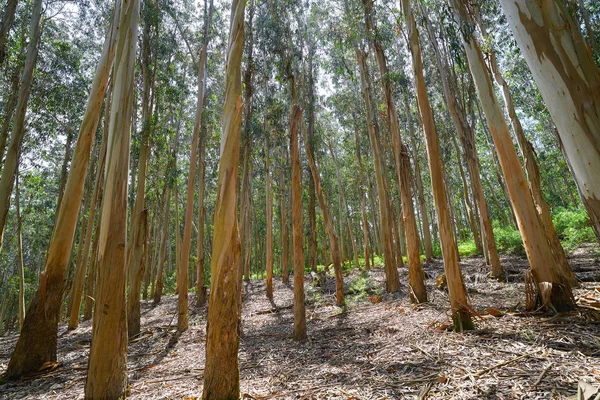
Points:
(573, 227)
(361, 287)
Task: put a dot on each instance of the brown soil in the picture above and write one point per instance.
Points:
(370, 350)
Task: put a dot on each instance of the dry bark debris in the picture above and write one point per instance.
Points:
(389, 349)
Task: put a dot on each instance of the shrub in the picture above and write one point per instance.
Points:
(508, 239)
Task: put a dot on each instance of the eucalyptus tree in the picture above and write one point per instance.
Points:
(221, 373)
(107, 368)
(38, 339)
(539, 250)
(568, 79)
(13, 151)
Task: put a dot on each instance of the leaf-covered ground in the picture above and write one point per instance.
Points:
(388, 349)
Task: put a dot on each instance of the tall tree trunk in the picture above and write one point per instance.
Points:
(107, 368)
(221, 373)
(245, 228)
(269, 217)
(200, 279)
(284, 224)
(20, 262)
(419, 185)
(467, 138)
(537, 247)
(79, 278)
(5, 24)
(139, 214)
(345, 204)
(403, 168)
(297, 230)
(456, 288)
(163, 250)
(532, 169)
(327, 221)
(363, 200)
(91, 278)
(392, 279)
(198, 145)
(37, 342)
(13, 153)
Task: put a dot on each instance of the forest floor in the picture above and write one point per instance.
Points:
(378, 347)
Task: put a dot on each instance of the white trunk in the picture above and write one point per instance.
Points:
(569, 82)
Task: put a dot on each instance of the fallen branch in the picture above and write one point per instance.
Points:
(542, 375)
(483, 371)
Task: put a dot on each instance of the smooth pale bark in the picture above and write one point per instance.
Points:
(20, 262)
(539, 252)
(419, 185)
(312, 215)
(325, 207)
(221, 373)
(392, 279)
(532, 170)
(139, 214)
(64, 170)
(182, 319)
(269, 217)
(5, 24)
(403, 171)
(297, 230)
(37, 342)
(245, 227)
(9, 169)
(456, 288)
(285, 276)
(91, 277)
(80, 270)
(107, 368)
(467, 138)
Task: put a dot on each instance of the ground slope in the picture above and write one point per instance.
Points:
(378, 347)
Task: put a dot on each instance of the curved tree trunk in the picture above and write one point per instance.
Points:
(37, 342)
(221, 373)
(107, 368)
(456, 288)
(532, 169)
(539, 253)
